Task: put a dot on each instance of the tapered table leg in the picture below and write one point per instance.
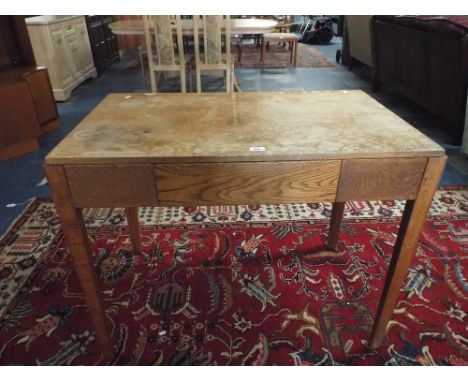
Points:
(335, 224)
(411, 225)
(295, 46)
(134, 229)
(75, 234)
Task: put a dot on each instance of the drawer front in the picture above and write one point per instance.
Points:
(112, 185)
(246, 183)
(380, 179)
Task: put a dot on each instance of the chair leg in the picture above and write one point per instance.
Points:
(295, 46)
(183, 86)
(152, 74)
(262, 53)
(235, 83)
(239, 52)
(228, 80)
(189, 74)
(142, 63)
(198, 76)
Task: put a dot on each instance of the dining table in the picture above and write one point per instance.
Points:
(253, 26)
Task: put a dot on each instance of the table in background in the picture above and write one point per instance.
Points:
(238, 26)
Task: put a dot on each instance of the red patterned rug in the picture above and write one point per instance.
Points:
(238, 285)
(278, 55)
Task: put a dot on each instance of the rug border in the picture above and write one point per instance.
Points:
(42, 199)
(20, 215)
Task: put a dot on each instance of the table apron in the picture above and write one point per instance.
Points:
(380, 179)
(247, 183)
(141, 185)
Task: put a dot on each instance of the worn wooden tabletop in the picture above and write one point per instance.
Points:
(220, 127)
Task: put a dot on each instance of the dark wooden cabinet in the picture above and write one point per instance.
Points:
(27, 106)
(103, 42)
(425, 58)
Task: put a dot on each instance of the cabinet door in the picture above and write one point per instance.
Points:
(72, 39)
(84, 48)
(18, 120)
(63, 67)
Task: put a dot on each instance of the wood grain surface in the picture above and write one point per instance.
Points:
(243, 148)
(78, 244)
(208, 127)
(112, 185)
(244, 183)
(134, 229)
(405, 246)
(380, 179)
(18, 149)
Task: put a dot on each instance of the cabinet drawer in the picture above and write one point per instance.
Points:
(246, 183)
(112, 185)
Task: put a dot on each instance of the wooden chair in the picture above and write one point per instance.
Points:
(216, 54)
(165, 50)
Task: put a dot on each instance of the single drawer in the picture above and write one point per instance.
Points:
(247, 183)
(112, 185)
(380, 179)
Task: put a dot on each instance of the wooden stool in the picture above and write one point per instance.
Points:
(289, 38)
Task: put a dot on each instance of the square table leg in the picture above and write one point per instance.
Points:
(262, 52)
(335, 225)
(133, 228)
(77, 239)
(411, 226)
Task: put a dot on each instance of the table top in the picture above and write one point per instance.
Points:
(238, 26)
(231, 127)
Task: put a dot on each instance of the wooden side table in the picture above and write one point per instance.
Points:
(286, 38)
(210, 149)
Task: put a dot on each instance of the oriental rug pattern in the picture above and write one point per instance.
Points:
(238, 285)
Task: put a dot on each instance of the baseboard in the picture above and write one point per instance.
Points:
(49, 126)
(18, 149)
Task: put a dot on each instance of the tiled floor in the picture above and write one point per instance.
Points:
(19, 177)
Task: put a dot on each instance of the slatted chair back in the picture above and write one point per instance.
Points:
(215, 54)
(164, 44)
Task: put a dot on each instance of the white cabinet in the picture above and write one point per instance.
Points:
(61, 44)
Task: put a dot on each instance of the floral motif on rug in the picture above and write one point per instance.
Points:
(238, 285)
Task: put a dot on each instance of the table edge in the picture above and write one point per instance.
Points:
(233, 159)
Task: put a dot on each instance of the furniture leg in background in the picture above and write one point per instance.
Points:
(335, 225)
(288, 38)
(134, 228)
